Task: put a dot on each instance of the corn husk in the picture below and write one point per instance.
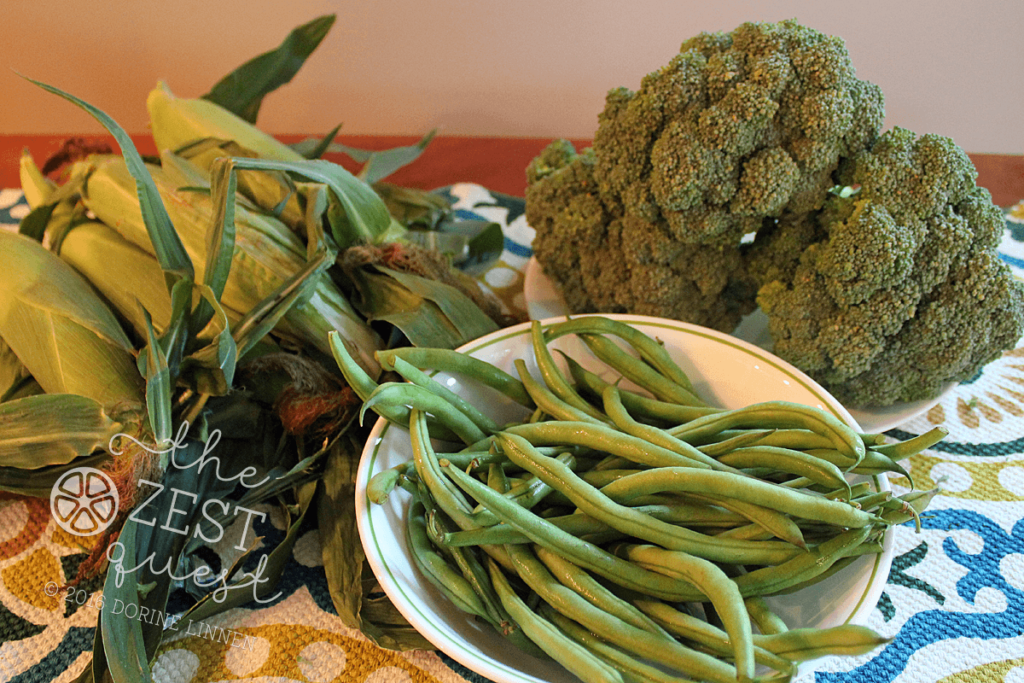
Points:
(92, 247)
(203, 131)
(52, 429)
(266, 254)
(61, 331)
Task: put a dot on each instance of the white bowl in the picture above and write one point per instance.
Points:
(728, 372)
(543, 300)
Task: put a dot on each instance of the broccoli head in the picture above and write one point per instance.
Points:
(902, 291)
(750, 170)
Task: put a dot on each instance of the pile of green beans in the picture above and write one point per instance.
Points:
(633, 536)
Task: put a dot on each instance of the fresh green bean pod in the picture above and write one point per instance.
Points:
(623, 420)
(637, 404)
(580, 552)
(767, 621)
(551, 403)
(634, 669)
(745, 437)
(575, 658)
(601, 438)
(553, 377)
(411, 373)
(699, 631)
(578, 580)
(802, 644)
(593, 502)
(726, 485)
(456, 363)
(787, 460)
(778, 414)
(654, 646)
(904, 449)
(397, 396)
(649, 349)
(636, 370)
(436, 569)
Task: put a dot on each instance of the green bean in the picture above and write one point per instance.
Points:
(787, 460)
(697, 630)
(797, 439)
(550, 403)
(770, 580)
(780, 414)
(775, 523)
(627, 520)
(722, 592)
(474, 574)
(447, 360)
(553, 377)
(746, 437)
(396, 395)
(649, 349)
(382, 484)
(601, 438)
(730, 486)
(802, 644)
(579, 525)
(559, 647)
(904, 449)
(582, 553)
(656, 647)
(634, 669)
(434, 567)
(644, 406)
(624, 421)
(643, 375)
(526, 495)
(364, 386)
(578, 580)
(767, 621)
(411, 373)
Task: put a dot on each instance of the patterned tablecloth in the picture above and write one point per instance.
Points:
(954, 602)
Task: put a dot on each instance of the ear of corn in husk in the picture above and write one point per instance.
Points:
(61, 331)
(52, 429)
(266, 254)
(203, 131)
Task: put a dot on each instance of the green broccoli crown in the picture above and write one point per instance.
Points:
(905, 287)
(750, 171)
(738, 125)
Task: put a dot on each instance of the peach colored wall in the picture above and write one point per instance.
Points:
(529, 68)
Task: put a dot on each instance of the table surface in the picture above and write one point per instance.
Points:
(953, 604)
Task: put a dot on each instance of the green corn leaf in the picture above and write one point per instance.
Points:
(363, 217)
(210, 369)
(313, 148)
(220, 238)
(458, 308)
(414, 208)
(123, 641)
(339, 538)
(242, 91)
(168, 247)
(158, 387)
(52, 429)
(380, 165)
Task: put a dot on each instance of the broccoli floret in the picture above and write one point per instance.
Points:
(750, 170)
(904, 288)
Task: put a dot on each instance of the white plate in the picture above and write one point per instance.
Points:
(727, 371)
(543, 300)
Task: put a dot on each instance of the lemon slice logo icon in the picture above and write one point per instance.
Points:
(84, 501)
